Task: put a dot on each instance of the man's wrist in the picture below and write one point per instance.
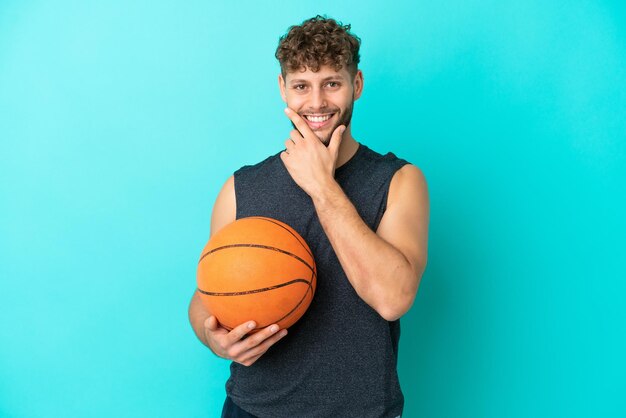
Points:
(327, 194)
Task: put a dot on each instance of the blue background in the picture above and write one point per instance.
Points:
(119, 121)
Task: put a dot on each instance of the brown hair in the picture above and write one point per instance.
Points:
(318, 41)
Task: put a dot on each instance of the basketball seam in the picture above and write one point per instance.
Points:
(247, 292)
(308, 250)
(309, 289)
(265, 247)
(299, 303)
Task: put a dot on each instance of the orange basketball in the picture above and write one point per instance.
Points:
(256, 269)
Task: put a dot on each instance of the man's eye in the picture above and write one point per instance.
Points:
(333, 84)
(299, 87)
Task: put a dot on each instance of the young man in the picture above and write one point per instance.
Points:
(365, 217)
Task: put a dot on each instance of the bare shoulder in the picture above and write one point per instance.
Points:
(407, 184)
(225, 207)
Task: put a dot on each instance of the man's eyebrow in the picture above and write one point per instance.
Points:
(332, 77)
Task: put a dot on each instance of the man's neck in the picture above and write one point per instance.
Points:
(347, 149)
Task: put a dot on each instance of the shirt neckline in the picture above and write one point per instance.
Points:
(350, 162)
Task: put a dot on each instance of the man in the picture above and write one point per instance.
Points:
(365, 217)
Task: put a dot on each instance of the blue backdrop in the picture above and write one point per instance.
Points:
(119, 121)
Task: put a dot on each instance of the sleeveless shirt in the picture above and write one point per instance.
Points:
(340, 358)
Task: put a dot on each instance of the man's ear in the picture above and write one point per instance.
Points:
(357, 84)
(281, 86)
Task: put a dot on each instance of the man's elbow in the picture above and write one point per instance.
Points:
(394, 311)
(398, 305)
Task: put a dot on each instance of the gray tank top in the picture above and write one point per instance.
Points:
(340, 358)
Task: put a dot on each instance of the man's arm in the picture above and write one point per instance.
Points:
(225, 344)
(384, 267)
(224, 212)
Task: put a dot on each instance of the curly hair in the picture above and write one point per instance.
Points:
(318, 41)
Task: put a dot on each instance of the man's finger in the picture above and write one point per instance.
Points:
(295, 135)
(255, 352)
(211, 323)
(261, 336)
(240, 331)
(335, 139)
(301, 125)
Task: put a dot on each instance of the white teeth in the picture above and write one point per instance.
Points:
(318, 118)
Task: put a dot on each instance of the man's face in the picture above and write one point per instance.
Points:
(324, 99)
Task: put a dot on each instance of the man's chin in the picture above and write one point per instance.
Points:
(324, 137)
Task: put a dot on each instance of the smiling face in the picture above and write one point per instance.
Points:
(324, 99)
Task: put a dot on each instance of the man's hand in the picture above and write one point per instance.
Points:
(308, 161)
(232, 345)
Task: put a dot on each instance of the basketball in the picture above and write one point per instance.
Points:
(256, 269)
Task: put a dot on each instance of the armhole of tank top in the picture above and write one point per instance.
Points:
(383, 207)
(237, 206)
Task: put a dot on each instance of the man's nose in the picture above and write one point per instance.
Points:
(318, 99)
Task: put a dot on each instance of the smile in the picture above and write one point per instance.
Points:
(318, 118)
